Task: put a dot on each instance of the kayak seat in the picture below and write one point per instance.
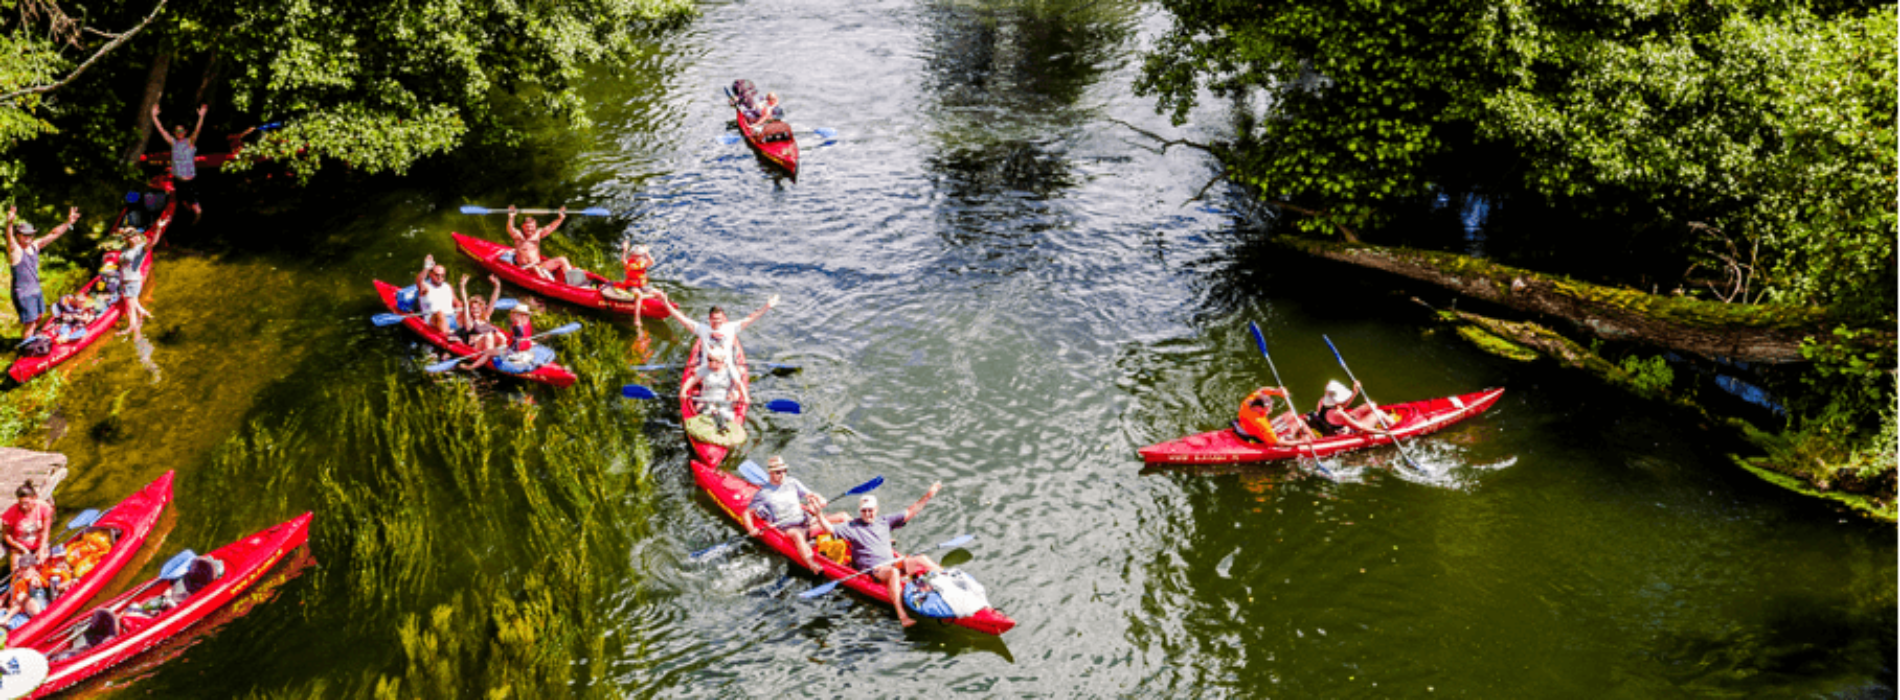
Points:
(577, 277)
(201, 573)
(101, 626)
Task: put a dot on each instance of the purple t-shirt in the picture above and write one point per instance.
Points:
(870, 544)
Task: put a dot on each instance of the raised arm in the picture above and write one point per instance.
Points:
(161, 126)
(548, 230)
(72, 217)
(769, 303)
(514, 233)
(494, 295)
(678, 315)
(428, 261)
(201, 124)
(911, 512)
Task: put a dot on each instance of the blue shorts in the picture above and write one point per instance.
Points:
(30, 308)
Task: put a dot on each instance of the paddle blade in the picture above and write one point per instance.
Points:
(1336, 356)
(956, 558)
(84, 518)
(564, 330)
(272, 125)
(472, 209)
(956, 542)
(778, 366)
(385, 320)
(754, 473)
(505, 304)
(710, 551)
(1258, 339)
(595, 211)
(825, 132)
(177, 565)
(635, 391)
(649, 368)
(866, 487)
(444, 365)
(784, 406)
(821, 589)
(727, 139)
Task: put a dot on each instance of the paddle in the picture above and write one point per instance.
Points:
(767, 365)
(1261, 341)
(636, 391)
(590, 211)
(173, 569)
(865, 487)
(389, 319)
(829, 587)
(1387, 424)
(728, 139)
(446, 365)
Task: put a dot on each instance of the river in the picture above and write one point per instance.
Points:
(987, 282)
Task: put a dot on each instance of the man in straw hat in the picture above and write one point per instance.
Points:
(1332, 417)
(786, 505)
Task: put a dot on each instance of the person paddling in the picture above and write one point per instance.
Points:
(784, 504)
(718, 336)
(1256, 422)
(873, 551)
(528, 246)
(184, 160)
(23, 254)
(1333, 417)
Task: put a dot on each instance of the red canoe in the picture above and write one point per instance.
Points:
(245, 563)
(1415, 418)
(549, 373)
(706, 452)
(783, 154)
(128, 523)
(26, 368)
(489, 255)
(734, 493)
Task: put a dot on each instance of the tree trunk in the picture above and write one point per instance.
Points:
(205, 85)
(1745, 332)
(154, 88)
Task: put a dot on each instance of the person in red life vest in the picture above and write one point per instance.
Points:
(1258, 424)
(528, 246)
(1334, 417)
(27, 525)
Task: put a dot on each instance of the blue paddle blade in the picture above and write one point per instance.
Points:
(272, 125)
(563, 330)
(444, 365)
(177, 565)
(505, 304)
(472, 209)
(649, 368)
(956, 542)
(820, 590)
(84, 518)
(752, 472)
(385, 320)
(728, 139)
(635, 391)
(1258, 339)
(825, 132)
(784, 406)
(1329, 346)
(777, 366)
(595, 211)
(709, 551)
(866, 487)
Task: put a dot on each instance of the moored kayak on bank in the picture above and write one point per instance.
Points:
(1415, 418)
(159, 609)
(596, 292)
(546, 372)
(123, 530)
(733, 494)
(26, 367)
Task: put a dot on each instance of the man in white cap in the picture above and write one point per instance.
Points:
(1332, 417)
(786, 505)
(871, 550)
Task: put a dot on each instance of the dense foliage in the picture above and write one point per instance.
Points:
(1750, 144)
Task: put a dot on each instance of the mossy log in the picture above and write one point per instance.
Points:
(1744, 332)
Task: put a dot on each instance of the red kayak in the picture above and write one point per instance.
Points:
(126, 526)
(26, 368)
(547, 373)
(734, 493)
(783, 154)
(593, 293)
(706, 452)
(154, 611)
(1415, 418)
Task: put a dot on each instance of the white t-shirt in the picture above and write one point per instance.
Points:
(719, 340)
(436, 298)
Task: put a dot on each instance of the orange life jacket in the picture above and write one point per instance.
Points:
(1256, 415)
(636, 272)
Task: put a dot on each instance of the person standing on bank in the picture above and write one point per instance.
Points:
(184, 160)
(23, 254)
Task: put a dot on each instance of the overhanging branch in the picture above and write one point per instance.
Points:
(117, 41)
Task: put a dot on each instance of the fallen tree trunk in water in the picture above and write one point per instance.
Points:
(1714, 330)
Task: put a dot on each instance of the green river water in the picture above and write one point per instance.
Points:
(989, 283)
